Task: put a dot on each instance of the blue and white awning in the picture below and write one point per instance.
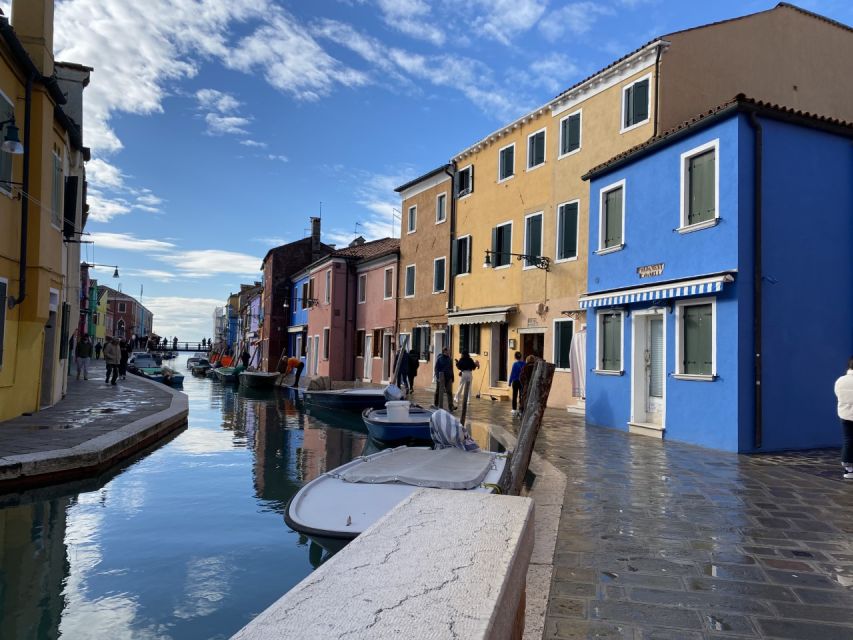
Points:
(660, 291)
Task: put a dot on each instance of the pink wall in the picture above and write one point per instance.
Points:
(336, 315)
(377, 312)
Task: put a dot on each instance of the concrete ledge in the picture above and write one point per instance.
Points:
(441, 564)
(97, 454)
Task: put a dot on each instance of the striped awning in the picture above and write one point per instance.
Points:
(482, 315)
(661, 291)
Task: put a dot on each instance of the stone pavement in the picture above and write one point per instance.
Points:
(95, 425)
(660, 540)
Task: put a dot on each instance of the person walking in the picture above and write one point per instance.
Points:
(444, 365)
(466, 365)
(411, 374)
(82, 354)
(844, 393)
(524, 379)
(124, 349)
(515, 381)
(98, 348)
(244, 358)
(403, 371)
(112, 356)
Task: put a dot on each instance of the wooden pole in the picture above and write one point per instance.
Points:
(531, 421)
(399, 363)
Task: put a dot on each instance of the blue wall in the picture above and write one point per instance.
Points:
(298, 315)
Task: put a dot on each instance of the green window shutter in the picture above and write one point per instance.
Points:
(534, 237)
(610, 342)
(475, 339)
(495, 246)
(563, 344)
(463, 336)
(574, 132)
(564, 136)
(701, 200)
(613, 218)
(567, 231)
(629, 107)
(471, 179)
(697, 330)
(641, 101)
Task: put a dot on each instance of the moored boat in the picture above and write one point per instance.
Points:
(410, 426)
(164, 375)
(226, 374)
(347, 399)
(258, 379)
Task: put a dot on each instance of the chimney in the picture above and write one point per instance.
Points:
(33, 24)
(315, 239)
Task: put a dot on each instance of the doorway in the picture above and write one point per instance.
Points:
(387, 356)
(533, 344)
(368, 356)
(47, 364)
(498, 360)
(649, 370)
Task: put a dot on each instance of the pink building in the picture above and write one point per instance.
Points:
(348, 298)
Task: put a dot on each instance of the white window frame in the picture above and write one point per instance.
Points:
(327, 334)
(554, 341)
(511, 235)
(328, 293)
(364, 331)
(437, 199)
(7, 188)
(362, 288)
(462, 196)
(442, 259)
(562, 155)
(469, 256)
(679, 337)
(601, 193)
(683, 227)
(5, 306)
(599, 317)
(541, 214)
(544, 131)
(500, 163)
(557, 232)
(412, 219)
(622, 127)
(384, 283)
(414, 269)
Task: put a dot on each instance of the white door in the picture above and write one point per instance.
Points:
(316, 355)
(298, 352)
(308, 356)
(654, 361)
(438, 343)
(368, 356)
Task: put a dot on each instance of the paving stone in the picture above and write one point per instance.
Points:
(800, 579)
(802, 630)
(812, 612)
(733, 572)
(748, 589)
(784, 564)
(729, 623)
(668, 634)
(823, 597)
(697, 600)
(574, 574)
(567, 629)
(567, 608)
(645, 614)
(577, 589)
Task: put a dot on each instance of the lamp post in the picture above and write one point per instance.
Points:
(540, 262)
(95, 266)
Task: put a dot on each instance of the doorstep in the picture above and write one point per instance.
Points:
(646, 429)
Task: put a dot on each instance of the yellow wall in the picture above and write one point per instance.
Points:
(540, 296)
(101, 324)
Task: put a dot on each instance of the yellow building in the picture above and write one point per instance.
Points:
(41, 208)
(519, 191)
(100, 316)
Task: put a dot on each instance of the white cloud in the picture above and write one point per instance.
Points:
(219, 125)
(185, 317)
(375, 193)
(253, 143)
(280, 158)
(502, 20)
(153, 274)
(576, 19)
(213, 100)
(552, 73)
(101, 173)
(129, 242)
(411, 18)
(103, 208)
(203, 263)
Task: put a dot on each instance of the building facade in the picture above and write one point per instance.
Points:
(376, 316)
(131, 320)
(690, 295)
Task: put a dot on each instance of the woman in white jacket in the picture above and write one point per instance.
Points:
(844, 392)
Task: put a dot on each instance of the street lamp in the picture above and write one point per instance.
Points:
(95, 266)
(540, 262)
(11, 142)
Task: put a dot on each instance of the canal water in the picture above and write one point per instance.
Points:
(188, 540)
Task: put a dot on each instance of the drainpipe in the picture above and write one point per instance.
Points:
(450, 170)
(757, 277)
(25, 202)
(659, 50)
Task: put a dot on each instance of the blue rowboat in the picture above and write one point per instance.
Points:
(415, 427)
(347, 399)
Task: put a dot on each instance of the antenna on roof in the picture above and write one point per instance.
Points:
(357, 225)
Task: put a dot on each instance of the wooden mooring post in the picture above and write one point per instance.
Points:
(537, 399)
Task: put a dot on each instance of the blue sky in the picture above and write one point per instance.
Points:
(219, 126)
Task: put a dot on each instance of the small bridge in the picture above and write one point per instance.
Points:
(181, 346)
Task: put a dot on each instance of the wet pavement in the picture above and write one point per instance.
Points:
(661, 540)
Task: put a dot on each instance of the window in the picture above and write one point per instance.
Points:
(506, 163)
(635, 103)
(311, 295)
(612, 218)
(570, 133)
(328, 291)
(410, 281)
(420, 342)
(359, 343)
(389, 283)
(563, 332)
(438, 279)
(532, 237)
(56, 195)
(362, 288)
(377, 343)
(4, 291)
(462, 256)
(465, 181)
(695, 355)
(501, 245)
(441, 208)
(567, 231)
(610, 341)
(535, 149)
(121, 307)
(699, 185)
(305, 294)
(412, 218)
(326, 334)
(469, 338)
(7, 112)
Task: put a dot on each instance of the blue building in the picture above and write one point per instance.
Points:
(297, 317)
(720, 291)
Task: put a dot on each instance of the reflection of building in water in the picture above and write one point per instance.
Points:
(325, 449)
(33, 568)
(276, 449)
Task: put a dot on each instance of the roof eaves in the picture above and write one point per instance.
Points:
(425, 176)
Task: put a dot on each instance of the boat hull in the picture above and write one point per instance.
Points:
(226, 374)
(380, 428)
(258, 380)
(347, 399)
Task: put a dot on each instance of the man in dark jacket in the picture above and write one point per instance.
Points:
(412, 371)
(444, 365)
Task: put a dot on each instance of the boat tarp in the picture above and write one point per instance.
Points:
(437, 469)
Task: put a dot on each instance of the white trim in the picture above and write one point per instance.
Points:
(508, 264)
(414, 281)
(425, 185)
(544, 132)
(327, 294)
(599, 315)
(557, 258)
(384, 283)
(541, 214)
(326, 349)
(635, 369)
(683, 226)
(554, 341)
(438, 196)
(650, 101)
(410, 228)
(443, 284)
(462, 196)
(603, 191)
(679, 336)
(500, 163)
(560, 154)
(361, 289)
(469, 257)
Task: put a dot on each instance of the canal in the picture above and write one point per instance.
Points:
(187, 541)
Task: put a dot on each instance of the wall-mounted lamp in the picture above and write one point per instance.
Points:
(309, 302)
(574, 314)
(540, 262)
(95, 266)
(11, 142)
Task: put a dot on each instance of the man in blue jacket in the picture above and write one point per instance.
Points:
(443, 364)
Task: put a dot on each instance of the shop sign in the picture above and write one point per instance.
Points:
(650, 270)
